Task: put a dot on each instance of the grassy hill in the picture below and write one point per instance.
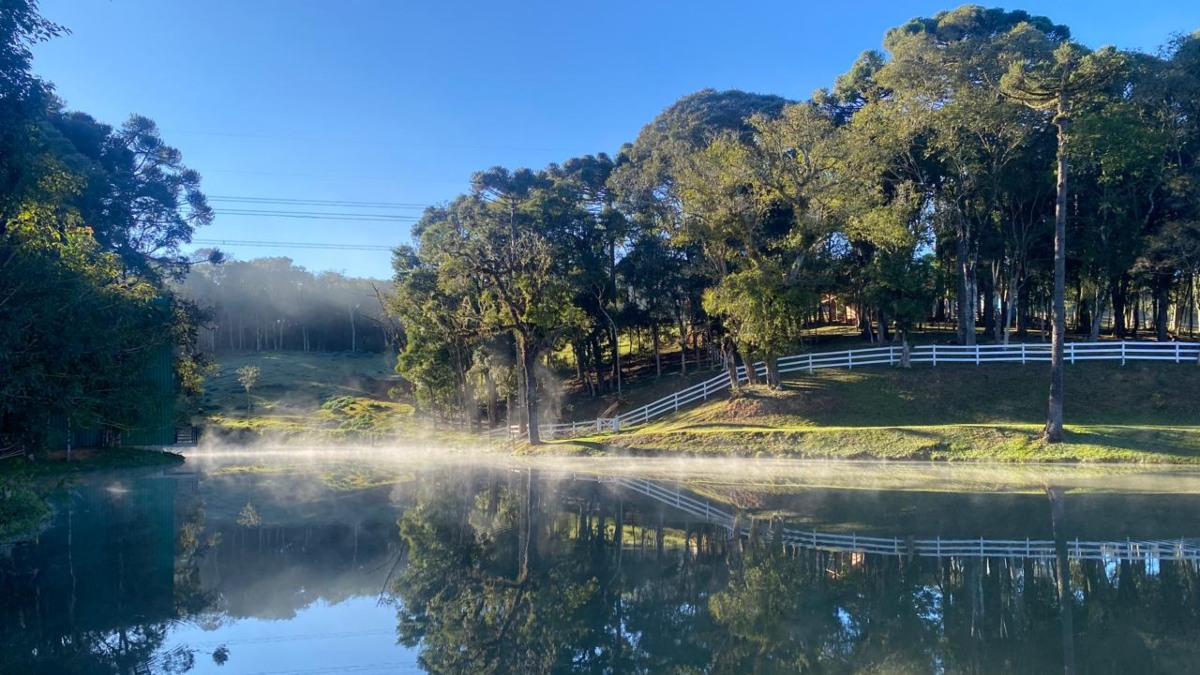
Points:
(297, 393)
(1141, 412)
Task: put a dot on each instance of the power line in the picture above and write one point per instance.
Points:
(315, 202)
(321, 215)
(371, 141)
(293, 244)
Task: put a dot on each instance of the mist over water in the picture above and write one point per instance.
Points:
(849, 474)
(414, 558)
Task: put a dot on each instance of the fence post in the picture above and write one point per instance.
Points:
(934, 352)
(976, 354)
(1071, 348)
(1022, 353)
(850, 359)
(1122, 352)
(616, 423)
(810, 366)
(676, 401)
(1176, 352)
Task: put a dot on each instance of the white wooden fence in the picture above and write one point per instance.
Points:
(937, 547)
(1075, 352)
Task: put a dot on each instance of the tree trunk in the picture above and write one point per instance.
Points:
(683, 347)
(490, 384)
(1054, 416)
(968, 287)
(529, 356)
(1023, 310)
(657, 355)
(731, 358)
(772, 371)
(751, 373)
(1137, 316)
(989, 304)
(1120, 289)
(598, 363)
(1162, 301)
(1098, 317)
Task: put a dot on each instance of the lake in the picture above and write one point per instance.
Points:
(370, 562)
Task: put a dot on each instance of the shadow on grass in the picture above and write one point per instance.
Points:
(1155, 441)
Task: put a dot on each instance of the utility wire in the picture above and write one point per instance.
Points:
(292, 244)
(356, 141)
(314, 202)
(321, 215)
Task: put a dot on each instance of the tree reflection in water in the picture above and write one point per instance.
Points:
(528, 572)
(536, 576)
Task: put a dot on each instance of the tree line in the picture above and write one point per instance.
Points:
(933, 182)
(92, 217)
(273, 304)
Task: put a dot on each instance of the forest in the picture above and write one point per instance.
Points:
(981, 170)
(92, 220)
(933, 182)
(272, 304)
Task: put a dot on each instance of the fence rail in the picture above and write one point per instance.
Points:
(1074, 352)
(1039, 549)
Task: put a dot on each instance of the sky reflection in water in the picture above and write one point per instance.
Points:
(322, 566)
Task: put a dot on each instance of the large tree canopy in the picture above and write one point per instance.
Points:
(920, 187)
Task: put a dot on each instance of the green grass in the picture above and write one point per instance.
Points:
(1142, 413)
(345, 477)
(26, 488)
(312, 395)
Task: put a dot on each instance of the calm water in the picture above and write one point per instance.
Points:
(273, 565)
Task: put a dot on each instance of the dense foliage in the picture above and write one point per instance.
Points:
(91, 221)
(923, 186)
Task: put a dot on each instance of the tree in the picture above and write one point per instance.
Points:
(500, 251)
(247, 376)
(1057, 84)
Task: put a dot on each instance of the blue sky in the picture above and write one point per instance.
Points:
(399, 102)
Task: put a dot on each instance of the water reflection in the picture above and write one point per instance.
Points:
(501, 570)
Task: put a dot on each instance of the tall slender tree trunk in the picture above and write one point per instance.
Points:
(490, 384)
(1120, 289)
(1053, 432)
(657, 355)
(1101, 304)
(529, 357)
(968, 287)
(683, 347)
(1162, 302)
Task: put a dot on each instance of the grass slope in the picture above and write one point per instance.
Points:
(305, 394)
(1132, 413)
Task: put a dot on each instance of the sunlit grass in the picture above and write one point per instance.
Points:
(1140, 413)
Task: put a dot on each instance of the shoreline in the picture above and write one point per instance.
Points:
(28, 489)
